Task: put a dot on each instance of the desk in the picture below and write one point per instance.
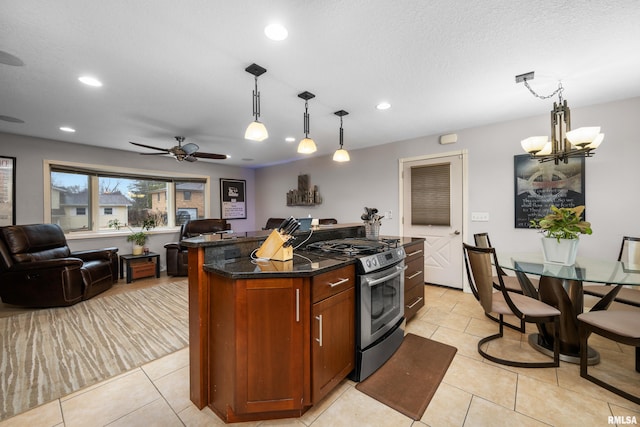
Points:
(127, 258)
(561, 287)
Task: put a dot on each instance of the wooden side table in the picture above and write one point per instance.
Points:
(126, 259)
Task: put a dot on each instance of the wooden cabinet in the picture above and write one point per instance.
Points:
(414, 278)
(278, 345)
(259, 348)
(333, 332)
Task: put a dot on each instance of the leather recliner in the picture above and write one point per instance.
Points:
(178, 255)
(37, 268)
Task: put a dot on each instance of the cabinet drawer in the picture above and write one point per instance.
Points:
(414, 268)
(330, 283)
(414, 250)
(413, 301)
(143, 269)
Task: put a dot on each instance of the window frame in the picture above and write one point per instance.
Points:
(115, 171)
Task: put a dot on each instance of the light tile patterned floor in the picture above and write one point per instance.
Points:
(474, 392)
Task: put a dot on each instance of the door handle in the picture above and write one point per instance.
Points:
(319, 319)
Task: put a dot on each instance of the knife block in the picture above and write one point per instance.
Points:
(272, 248)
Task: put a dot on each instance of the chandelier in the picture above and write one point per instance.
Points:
(564, 143)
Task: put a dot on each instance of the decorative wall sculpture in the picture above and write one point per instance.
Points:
(304, 195)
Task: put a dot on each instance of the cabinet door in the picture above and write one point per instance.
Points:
(333, 341)
(271, 316)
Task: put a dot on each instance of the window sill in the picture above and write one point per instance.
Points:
(81, 235)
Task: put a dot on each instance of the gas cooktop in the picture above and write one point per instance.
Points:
(354, 246)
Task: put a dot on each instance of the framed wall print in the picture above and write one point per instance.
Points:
(233, 200)
(7, 191)
(538, 186)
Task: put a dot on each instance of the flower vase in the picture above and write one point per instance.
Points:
(137, 250)
(562, 252)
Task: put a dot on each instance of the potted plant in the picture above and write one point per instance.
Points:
(561, 229)
(139, 238)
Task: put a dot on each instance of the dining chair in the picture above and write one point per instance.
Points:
(512, 283)
(503, 302)
(622, 326)
(630, 255)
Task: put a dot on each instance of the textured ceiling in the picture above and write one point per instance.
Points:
(177, 68)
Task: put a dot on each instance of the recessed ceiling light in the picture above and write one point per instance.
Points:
(67, 129)
(90, 81)
(289, 139)
(383, 106)
(276, 32)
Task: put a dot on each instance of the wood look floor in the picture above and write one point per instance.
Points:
(474, 392)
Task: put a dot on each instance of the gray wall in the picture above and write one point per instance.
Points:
(31, 152)
(371, 178)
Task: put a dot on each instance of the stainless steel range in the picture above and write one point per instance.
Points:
(379, 296)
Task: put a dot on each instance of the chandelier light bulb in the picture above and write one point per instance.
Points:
(341, 155)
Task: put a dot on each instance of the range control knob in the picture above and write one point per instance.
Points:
(368, 262)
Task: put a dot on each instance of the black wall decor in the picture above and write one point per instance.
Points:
(538, 186)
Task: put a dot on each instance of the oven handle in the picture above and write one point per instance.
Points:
(372, 283)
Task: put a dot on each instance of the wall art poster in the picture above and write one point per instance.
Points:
(538, 186)
(7, 191)
(233, 203)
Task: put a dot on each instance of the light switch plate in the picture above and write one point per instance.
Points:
(480, 216)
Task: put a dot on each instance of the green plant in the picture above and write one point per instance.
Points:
(563, 223)
(137, 237)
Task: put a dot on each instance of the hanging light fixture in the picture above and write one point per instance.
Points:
(256, 131)
(341, 155)
(565, 143)
(307, 145)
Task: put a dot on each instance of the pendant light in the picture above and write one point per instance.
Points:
(256, 131)
(307, 145)
(341, 155)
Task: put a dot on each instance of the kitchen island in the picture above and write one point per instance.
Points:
(268, 339)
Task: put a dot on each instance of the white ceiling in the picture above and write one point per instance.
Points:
(174, 67)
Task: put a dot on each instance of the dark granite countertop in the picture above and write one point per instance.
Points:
(303, 264)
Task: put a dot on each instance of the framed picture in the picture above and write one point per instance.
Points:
(538, 186)
(233, 200)
(7, 191)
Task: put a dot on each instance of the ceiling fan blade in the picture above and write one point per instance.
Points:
(154, 154)
(210, 156)
(148, 146)
(190, 148)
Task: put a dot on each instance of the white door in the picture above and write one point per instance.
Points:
(432, 207)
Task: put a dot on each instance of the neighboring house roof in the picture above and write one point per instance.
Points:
(82, 199)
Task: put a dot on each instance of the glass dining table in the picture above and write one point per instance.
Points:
(561, 287)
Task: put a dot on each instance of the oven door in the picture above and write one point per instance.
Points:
(381, 302)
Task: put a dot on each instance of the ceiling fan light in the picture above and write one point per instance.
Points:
(583, 136)
(307, 146)
(256, 131)
(341, 155)
(534, 144)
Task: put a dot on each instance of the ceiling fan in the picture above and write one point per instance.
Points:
(188, 152)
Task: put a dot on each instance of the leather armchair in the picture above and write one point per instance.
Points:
(177, 254)
(37, 268)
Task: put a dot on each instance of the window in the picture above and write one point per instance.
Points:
(430, 195)
(90, 198)
(186, 195)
